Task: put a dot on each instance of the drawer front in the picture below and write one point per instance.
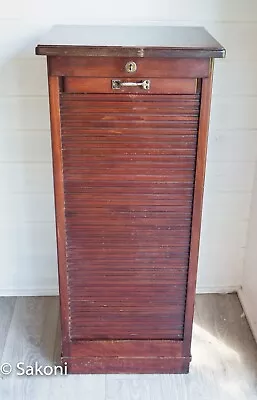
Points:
(130, 85)
(120, 67)
(128, 171)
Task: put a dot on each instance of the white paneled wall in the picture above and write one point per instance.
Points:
(248, 291)
(27, 237)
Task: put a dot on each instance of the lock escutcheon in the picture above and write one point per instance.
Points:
(131, 66)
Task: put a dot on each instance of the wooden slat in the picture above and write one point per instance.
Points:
(121, 266)
(126, 107)
(162, 124)
(80, 100)
(123, 176)
(132, 204)
(176, 221)
(106, 254)
(114, 272)
(134, 188)
(118, 198)
(83, 144)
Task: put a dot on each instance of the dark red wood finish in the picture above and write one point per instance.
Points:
(103, 85)
(129, 172)
(53, 84)
(197, 206)
(101, 67)
(127, 251)
(130, 41)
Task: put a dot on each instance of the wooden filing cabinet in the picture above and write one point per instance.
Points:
(129, 120)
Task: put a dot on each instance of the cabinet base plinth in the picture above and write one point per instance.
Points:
(127, 365)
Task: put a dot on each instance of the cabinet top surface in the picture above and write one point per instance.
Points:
(140, 41)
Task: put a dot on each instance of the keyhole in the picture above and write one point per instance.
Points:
(131, 66)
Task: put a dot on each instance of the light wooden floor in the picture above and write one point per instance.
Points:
(224, 363)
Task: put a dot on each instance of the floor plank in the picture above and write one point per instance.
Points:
(6, 311)
(30, 339)
(88, 387)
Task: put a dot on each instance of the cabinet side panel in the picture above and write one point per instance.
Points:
(197, 206)
(53, 82)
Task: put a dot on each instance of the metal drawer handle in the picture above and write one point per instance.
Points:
(117, 84)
